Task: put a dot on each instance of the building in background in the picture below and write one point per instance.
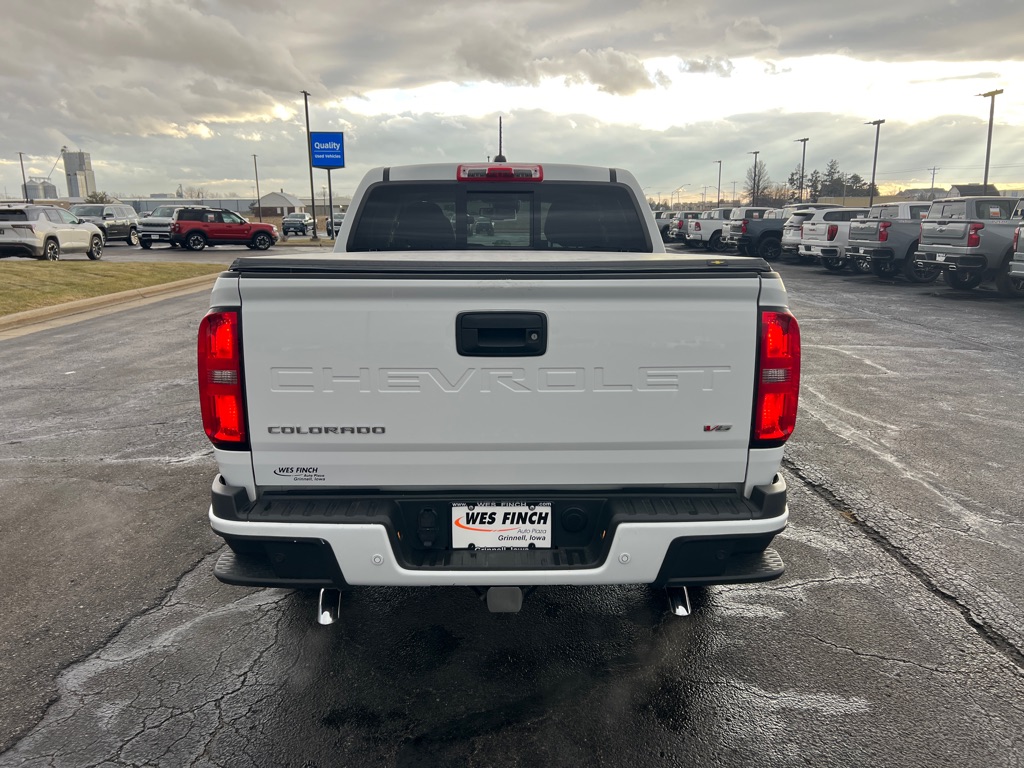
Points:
(78, 170)
(38, 189)
(971, 190)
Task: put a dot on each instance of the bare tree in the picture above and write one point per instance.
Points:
(757, 183)
(195, 192)
(777, 196)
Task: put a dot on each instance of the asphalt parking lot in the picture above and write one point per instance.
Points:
(894, 639)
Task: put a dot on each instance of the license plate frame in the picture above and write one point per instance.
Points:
(490, 525)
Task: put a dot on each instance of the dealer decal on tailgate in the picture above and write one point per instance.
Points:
(501, 525)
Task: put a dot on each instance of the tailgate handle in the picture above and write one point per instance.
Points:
(501, 334)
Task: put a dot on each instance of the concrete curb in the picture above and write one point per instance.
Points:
(32, 316)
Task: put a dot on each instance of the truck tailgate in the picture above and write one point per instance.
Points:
(944, 232)
(864, 230)
(360, 382)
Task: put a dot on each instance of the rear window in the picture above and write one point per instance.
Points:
(940, 209)
(995, 209)
(12, 215)
(465, 216)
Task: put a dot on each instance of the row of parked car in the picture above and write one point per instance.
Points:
(965, 240)
(48, 231)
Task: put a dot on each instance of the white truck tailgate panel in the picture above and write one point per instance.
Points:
(358, 382)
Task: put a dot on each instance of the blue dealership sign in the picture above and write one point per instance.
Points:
(328, 149)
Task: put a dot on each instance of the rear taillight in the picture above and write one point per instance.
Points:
(973, 238)
(220, 379)
(778, 379)
(1016, 238)
(833, 230)
(29, 227)
(743, 227)
(696, 225)
(883, 231)
(801, 231)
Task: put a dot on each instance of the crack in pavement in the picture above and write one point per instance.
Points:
(990, 635)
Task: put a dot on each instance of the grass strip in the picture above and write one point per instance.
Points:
(33, 284)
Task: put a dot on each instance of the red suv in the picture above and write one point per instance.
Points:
(195, 227)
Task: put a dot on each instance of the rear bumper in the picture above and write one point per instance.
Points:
(954, 261)
(158, 237)
(827, 252)
(875, 254)
(1017, 268)
(672, 539)
(28, 250)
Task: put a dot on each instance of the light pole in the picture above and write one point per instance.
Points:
(733, 192)
(753, 183)
(988, 147)
(719, 181)
(259, 206)
(24, 181)
(676, 192)
(874, 163)
(803, 159)
(309, 148)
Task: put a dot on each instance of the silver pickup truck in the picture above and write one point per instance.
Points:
(971, 240)
(559, 402)
(887, 239)
(1016, 275)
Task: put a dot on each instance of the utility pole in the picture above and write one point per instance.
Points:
(753, 183)
(991, 116)
(803, 159)
(733, 192)
(259, 206)
(24, 181)
(309, 149)
(931, 193)
(874, 163)
(719, 181)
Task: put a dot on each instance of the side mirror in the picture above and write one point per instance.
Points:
(146, 215)
(108, 215)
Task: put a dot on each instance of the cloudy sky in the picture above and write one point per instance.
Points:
(169, 92)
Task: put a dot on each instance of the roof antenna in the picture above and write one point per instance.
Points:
(500, 157)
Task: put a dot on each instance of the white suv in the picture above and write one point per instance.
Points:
(795, 216)
(46, 232)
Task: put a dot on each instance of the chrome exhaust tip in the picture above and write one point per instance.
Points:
(679, 601)
(329, 609)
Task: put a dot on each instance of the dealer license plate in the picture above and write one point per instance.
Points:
(501, 525)
(940, 257)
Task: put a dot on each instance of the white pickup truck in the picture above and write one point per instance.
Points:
(557, 402)
(706, 229)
